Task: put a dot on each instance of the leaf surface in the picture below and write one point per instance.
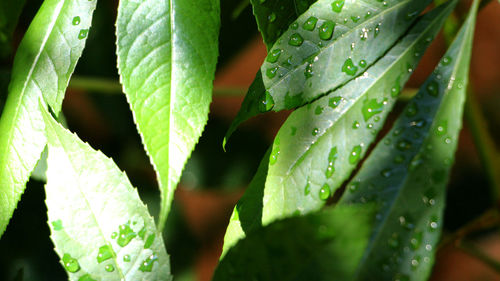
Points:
(311, 247)
(43, 65)
(407, 172)
(167, 52)
(320, 144)
(100, 227)
(274, 17)
(329, 45)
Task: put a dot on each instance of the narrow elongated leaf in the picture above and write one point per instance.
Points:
(99, 226)
(406, 174)
(274, 17)
(320, 144)
(329, 45)
(167, 51)
(9, 15)
(43, 65)
(311, 247)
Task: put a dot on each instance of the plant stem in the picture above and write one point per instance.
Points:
(484, 144)
(473, 251)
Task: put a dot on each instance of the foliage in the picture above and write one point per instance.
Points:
(341, 66)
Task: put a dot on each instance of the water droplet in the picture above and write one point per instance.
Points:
(315, 131)
(355, 154)
(415, 262)
(147, 264)
(377, 29)
(295, 40)
(126, 258)
(292, 101)
(396, 89)
(355, 125)
(324, 192)
(334, 102)
(386, 173)
(411, 110)
(403, 145)
(307, 189)
(310, 23)
(416, 240)
(446, 60)
(371, 107)
(364, 34)
(274, 156)
(353, 186)
(70, 263)
(355, 18)
(274, 55)
(57, 225)
(326, 30)
(76, 20)
(362, 63)
(86, 277)
(109, 268)
(266, 102)
(442, 128)
(433, 223)
(337, 6)
(125, 235)
(368, 14)
(393, 241)
(308, 72)
(349, 68)
(83, 33)
(419, 123)
(105, 253)
(428, 197)
(399, 159)
(149, 241)
(318, 110)
(428, 247)
(294, 26)
(271, 72)
(114, 235)
(271, 17)
(433, 88)
(331, 162)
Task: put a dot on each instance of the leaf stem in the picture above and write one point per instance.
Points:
(484, 144)
(473, 251)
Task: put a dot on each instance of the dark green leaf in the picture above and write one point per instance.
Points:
(320, 246)
(43, 65)
(167, 51)
(100, 227)
(406, 174)
(10, 10)
(329, 45)
(274, 17)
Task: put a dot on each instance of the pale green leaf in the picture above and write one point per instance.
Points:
(43, 65)
(100, 227)
(274, 17)
(167, 51)
(329, 45)
(320, 246)
(320, 144)
(407, 172)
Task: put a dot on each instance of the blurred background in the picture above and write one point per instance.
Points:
(213, 180)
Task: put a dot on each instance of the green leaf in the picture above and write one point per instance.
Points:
(167, 52)
(320, 144)
(100, 227)
(247, 214)
(9, 15)
(43, 65)
(274, 17)
(309, 247)
(407, 172)
(329, 45)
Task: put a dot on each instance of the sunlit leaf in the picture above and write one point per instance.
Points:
(329, 45)
(43, 65)
(407, 172)
(167, 51)
(320, 246)
(100, 227)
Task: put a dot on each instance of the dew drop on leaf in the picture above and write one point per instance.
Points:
(337, 6)
(349, 68)
(126, 258)
(433, 88)
(83, 33)
(355, 125)
(371, 107)
(57, 225)
(76, 20)
(149, 241)
(355, 154)
(334, 102)
(109, 268)
(105, 253)
(324, 192)
(70, 263)
(274, 55)
(147, 264)
(310, 24)
(125, 235)
(271, 17)
(330, 169)
(307, 189)
(86, 277)
(326, 30)
(295, 40)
